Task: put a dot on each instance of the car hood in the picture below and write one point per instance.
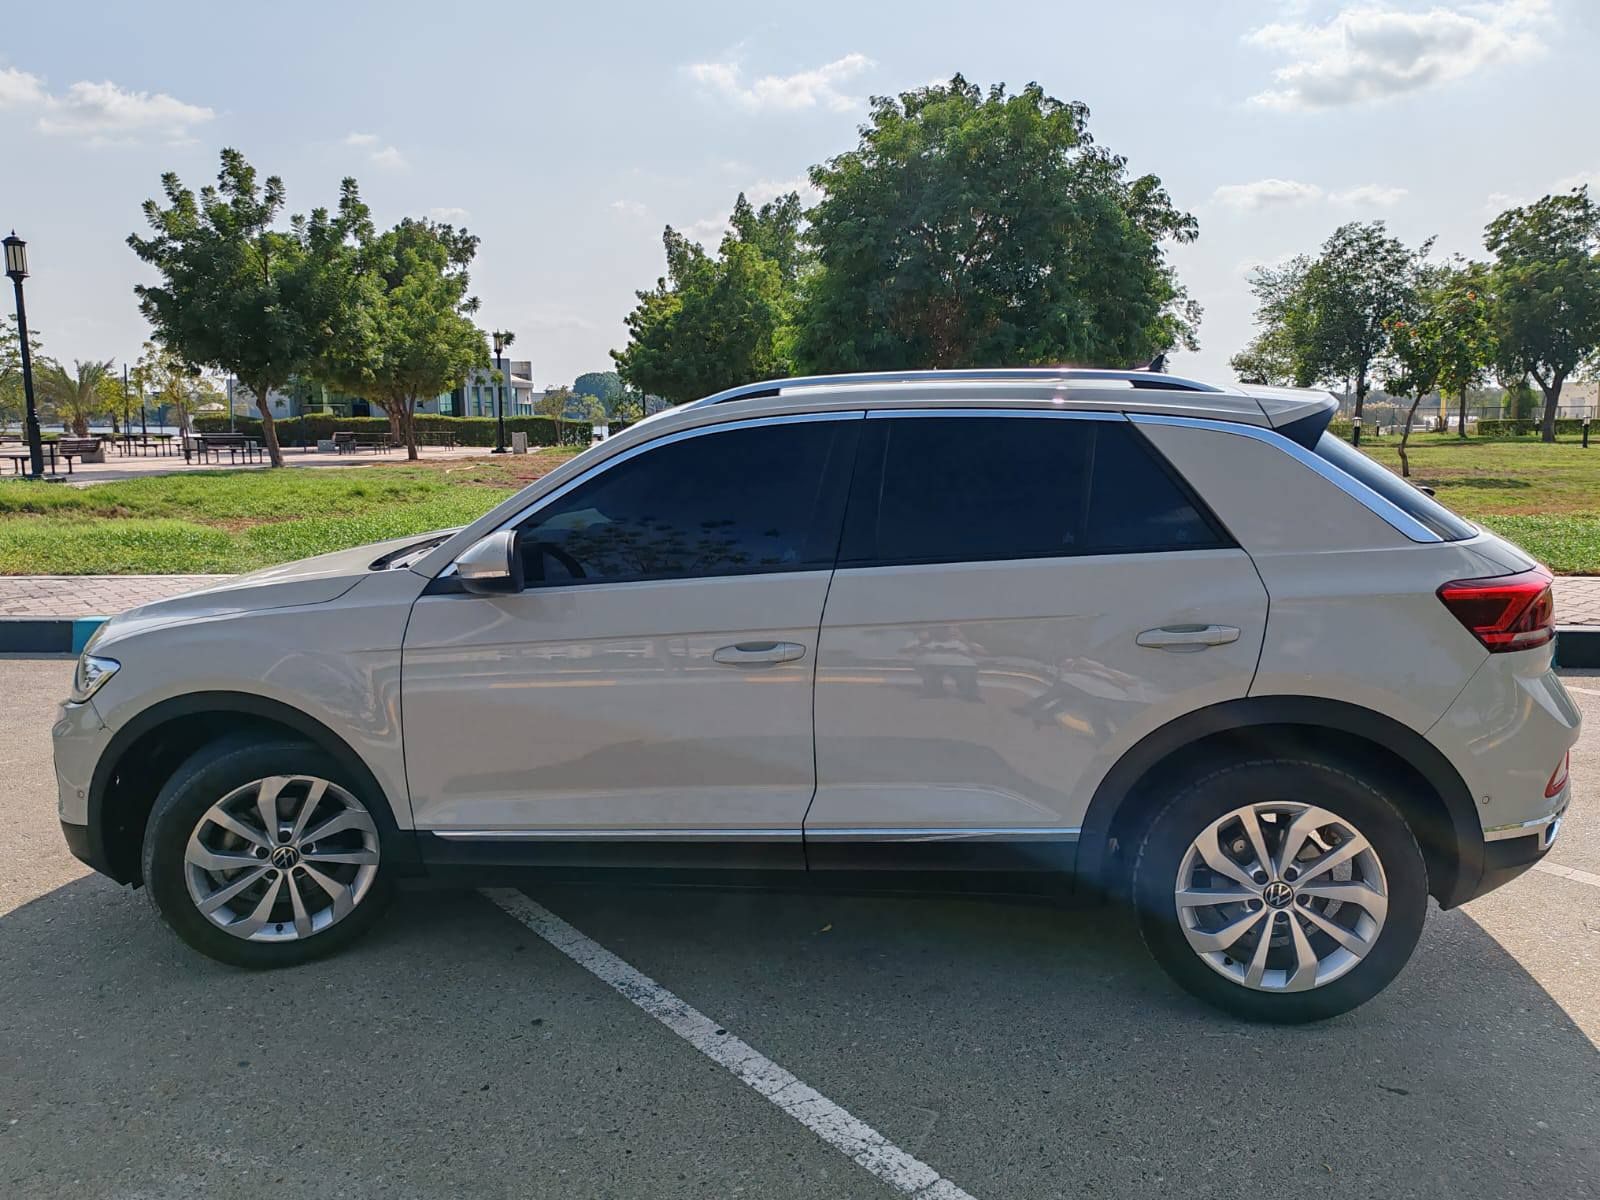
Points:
(309, 581)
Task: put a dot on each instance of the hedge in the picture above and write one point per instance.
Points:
(468, 431)
(1505, 427)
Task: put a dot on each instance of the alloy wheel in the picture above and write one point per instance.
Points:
(281, 858)
(1281, 896)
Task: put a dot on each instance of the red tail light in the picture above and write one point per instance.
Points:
(1507, 612)
(1558, 777)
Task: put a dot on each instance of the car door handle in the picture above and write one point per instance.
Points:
(1188, 637)
(758, 654)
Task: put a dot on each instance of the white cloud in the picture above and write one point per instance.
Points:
(818, 87)
(1497, 202)
(19, 89)
(709, 231)
(630, 208)
(1266, 193)
(1370, 195)
(1366, 52)
(449, 215)
(763, 190)
(388, 158)
(100, 112)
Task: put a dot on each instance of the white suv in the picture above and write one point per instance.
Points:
(1044, 631)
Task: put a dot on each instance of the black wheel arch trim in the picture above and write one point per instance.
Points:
(1311, 712)
(403, 855)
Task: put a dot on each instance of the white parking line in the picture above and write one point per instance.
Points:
(865, 1146)
(1572, 873)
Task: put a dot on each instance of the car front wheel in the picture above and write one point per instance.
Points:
(1281, 890)
(264, 854)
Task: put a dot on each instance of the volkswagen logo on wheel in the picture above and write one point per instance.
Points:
(284, 857)
(1277, 894)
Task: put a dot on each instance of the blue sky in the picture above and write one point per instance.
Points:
(567, 135)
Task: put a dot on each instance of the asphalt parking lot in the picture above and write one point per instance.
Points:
(1015, 1051)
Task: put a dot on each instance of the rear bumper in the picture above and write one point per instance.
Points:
(1506, 858)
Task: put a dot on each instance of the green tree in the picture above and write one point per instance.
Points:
(710, 323)
(75, 397)
(604, 386)
(1361, 280)
(774, 230)
(162, 376)
(13, 401)
(1278, 353)
(555, 402)
(1546, 291)
(391, 314)
(1465, 323)
(1415, 355)
(232, 291)
(973, 228)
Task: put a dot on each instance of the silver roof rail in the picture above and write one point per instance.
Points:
(1139, 379)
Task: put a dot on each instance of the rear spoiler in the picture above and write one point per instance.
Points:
(1300, 414)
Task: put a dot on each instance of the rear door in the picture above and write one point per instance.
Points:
(1019, 598)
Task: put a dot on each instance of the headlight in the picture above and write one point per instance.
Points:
(91, 673)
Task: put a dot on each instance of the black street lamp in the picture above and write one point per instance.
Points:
(502, 339)
(17, 270)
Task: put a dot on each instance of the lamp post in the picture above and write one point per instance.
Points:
(17, 271)
(502, 339)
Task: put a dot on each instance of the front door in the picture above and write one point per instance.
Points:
(653, 682)
(1019, 599)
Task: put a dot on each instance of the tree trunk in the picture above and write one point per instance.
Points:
(1405, 436)
(403, 413)
(1552, 401)
(1461, 415)
(269, 429)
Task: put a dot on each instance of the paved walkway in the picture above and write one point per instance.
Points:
(1577, 597)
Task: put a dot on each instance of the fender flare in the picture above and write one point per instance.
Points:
(1465, 830)
(249, 705)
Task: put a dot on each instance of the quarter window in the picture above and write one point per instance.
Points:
(739, 502)
(960, 489)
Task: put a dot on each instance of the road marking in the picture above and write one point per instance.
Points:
(855, 1139)
(1550, 868)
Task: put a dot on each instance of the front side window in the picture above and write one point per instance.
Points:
(972, 489)
(738, 502)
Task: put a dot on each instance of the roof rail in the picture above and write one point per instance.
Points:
(1138, 379)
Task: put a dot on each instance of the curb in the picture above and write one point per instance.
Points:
(47, 635)
(1576, 645)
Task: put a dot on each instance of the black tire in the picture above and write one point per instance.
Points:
(1348, 796)
(202, 780)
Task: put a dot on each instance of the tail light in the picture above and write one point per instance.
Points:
(1558, 777)
(1507, 612)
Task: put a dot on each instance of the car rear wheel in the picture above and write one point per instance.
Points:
(1281, 890)
(265, 855)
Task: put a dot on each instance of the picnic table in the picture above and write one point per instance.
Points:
(21, 463)
(129, 444)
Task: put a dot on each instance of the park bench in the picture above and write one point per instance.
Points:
(211, 446)
(87, 448)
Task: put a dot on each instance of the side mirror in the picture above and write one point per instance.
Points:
(493, 566)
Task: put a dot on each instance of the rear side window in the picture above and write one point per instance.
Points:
(970, 489)
(734, 502)
(1424, 509)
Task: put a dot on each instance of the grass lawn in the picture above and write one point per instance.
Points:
(225, 521)
(1544, 498)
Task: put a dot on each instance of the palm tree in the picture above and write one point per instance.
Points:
(76, 399)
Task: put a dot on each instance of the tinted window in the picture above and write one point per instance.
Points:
(1424, 509)
(733, 503)
(956, 489)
